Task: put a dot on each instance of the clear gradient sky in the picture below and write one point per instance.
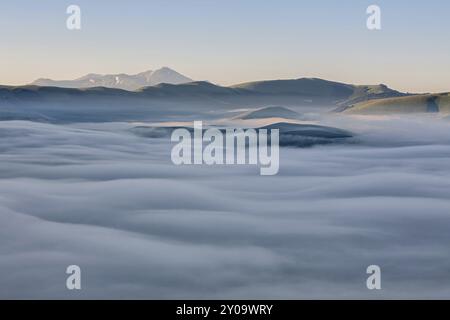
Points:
(232, 41)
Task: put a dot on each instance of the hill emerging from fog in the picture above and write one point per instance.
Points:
(290, 134)
(119, 81)
(268, 112)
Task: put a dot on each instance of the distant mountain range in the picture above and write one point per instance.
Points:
(165, 100)
(169, 84)
(119, 81)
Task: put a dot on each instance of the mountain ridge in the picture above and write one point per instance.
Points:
(302, 90)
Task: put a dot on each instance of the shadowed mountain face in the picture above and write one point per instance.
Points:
(186, 99)
(119, 81)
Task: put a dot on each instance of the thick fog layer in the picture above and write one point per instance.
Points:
(110, 201)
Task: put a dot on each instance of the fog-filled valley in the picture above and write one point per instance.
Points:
(86, 178)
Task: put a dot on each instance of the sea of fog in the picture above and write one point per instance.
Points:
(98, 196)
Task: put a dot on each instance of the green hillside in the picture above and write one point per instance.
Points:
(425, 103)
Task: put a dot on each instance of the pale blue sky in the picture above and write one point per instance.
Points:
(231, 41)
